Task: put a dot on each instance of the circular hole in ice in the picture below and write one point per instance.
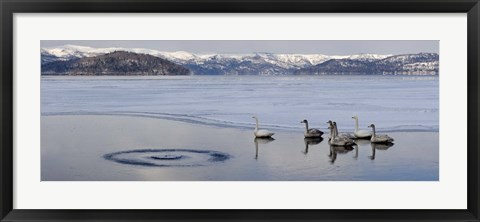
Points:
(168, 157)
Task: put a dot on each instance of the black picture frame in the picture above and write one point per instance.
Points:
(9, 7)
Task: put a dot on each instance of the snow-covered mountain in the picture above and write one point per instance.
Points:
(220, 64)
(285, 61)
(67, 52)
(409, 64)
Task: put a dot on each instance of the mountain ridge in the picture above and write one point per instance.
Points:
(264, 63)
(114, 63)
(289, 59)
(413, 64)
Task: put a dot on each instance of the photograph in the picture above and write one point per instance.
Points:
(239, 110)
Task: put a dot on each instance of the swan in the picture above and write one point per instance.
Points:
(345, 138)
(261, 133)
(311, 132)
(330, 127)
(346, 135)
(379, 138)
(361, 134)
(332, 131)
(336, 140)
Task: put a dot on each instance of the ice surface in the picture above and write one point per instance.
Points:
(392, 103)
(125, 148)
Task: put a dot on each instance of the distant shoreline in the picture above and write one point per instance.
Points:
(332, 74)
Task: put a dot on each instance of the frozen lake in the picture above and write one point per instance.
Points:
(393, 103)
(199, 128)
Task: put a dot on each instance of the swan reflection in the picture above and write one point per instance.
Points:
(334, 150)
(360, 142)
(311, 141)
(259, 140)
(377, 146)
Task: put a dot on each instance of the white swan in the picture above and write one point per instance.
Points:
(311, 132)
(260, 133)
(361, 134)
(336, 140)
(379, 138)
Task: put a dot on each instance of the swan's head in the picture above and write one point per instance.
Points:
(355, 117)
(254, 117)
(330, 123)
(371, 125)
(334, 123)
(304, 121)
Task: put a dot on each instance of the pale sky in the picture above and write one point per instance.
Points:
(327, 47)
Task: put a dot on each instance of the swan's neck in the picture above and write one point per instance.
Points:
(356, 124)
(306, 126)
(256, 124)
(373, 129)
(336, 130)
(332, 132)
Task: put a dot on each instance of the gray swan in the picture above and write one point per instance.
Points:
(346, 135)
(379, 138)
(311, 132)
(336, 140)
